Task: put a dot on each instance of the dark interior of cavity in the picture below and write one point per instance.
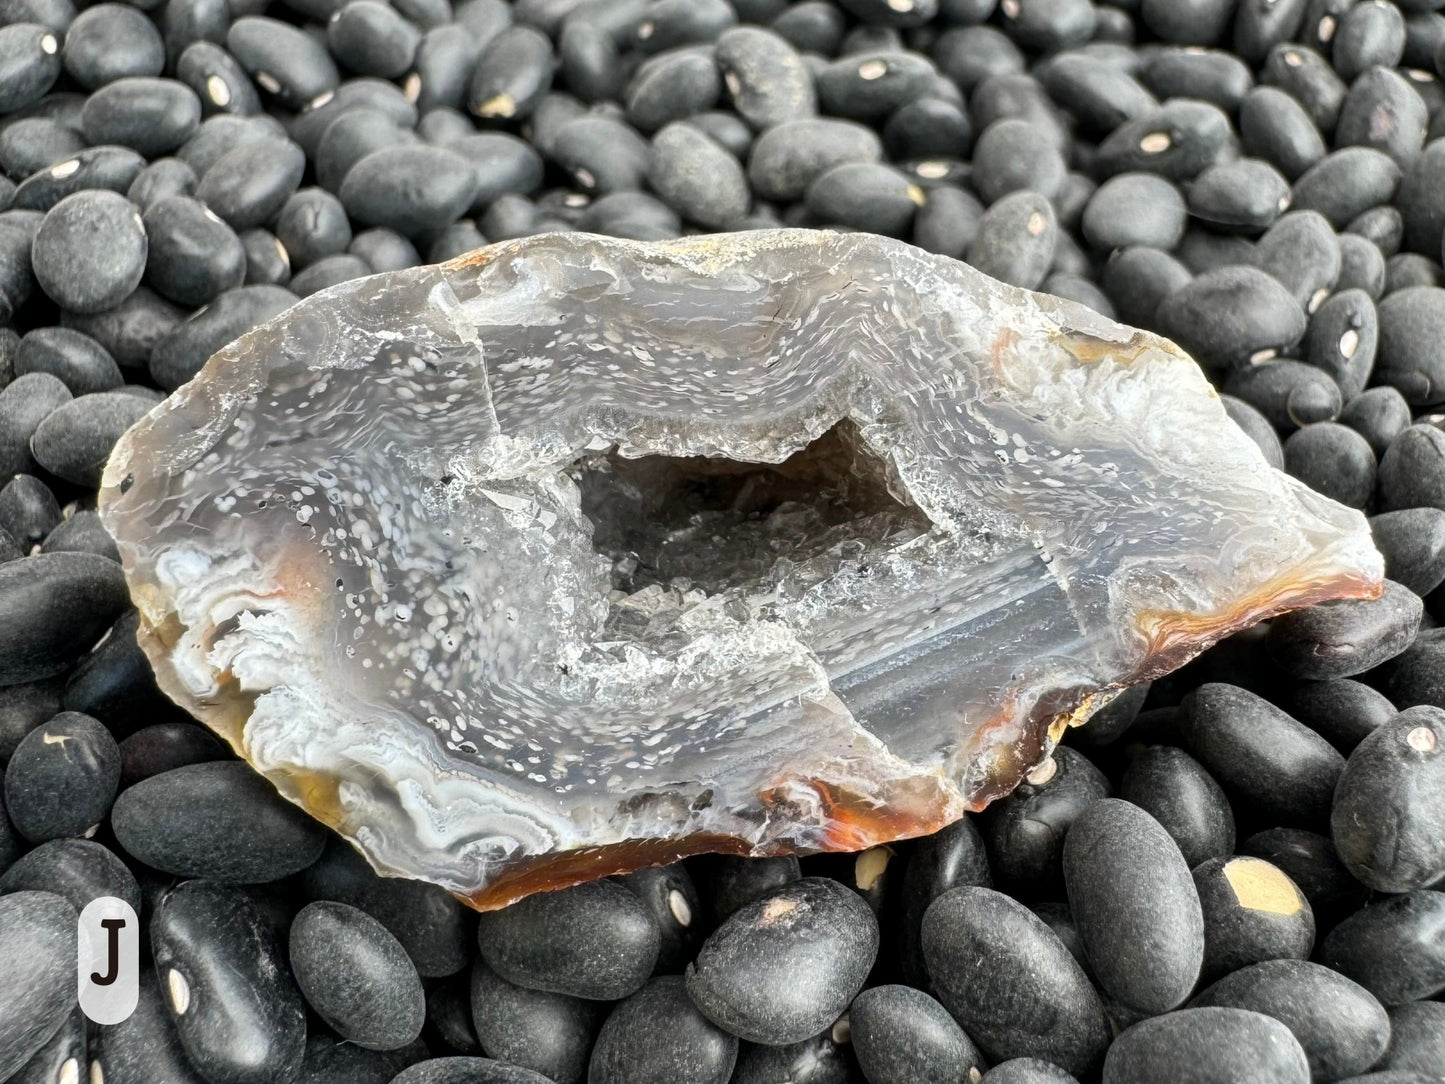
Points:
(719, 523)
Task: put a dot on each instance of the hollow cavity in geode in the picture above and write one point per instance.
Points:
(577, 554)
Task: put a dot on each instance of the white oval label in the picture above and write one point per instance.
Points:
(108, 960)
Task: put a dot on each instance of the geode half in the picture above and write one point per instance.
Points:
(575, 554)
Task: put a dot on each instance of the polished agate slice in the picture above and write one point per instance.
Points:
(576, 554)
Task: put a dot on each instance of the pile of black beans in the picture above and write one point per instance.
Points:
(1236, 874)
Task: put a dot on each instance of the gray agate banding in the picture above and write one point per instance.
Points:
(578, 554)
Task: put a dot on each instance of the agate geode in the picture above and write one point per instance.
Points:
(576, 554)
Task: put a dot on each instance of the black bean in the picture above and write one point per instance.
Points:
(1260, 25)
(77, 870)
(411, 189)
(1138, 278)
(1025, 830)
(1340, 710)
(548, 1033)
(1417, 1038)
(1027, 1070)
(1257, 427)
(1247, 194)
(1409, 320)
(1016, 240)
(31, 144)
(356, 976)
(512, 216)
(1389, 801)
(359, 93)
(868, 39)
(312, 224)
(247, 186)
(285, 62)
(1210, 75)
(466, 1071)
(1101, 96)
(1392, 947)
(670, 894)
(1421, 205)
(1202, 22)
(267, 261)
(28, 510)
(1379, 415)
(812, 26)
(222, 133)
(447, 56)
(194, 255)
(1415, 675)
(1412, 470)
(1021, 97)
(1308, 78)
(745, 976)
(1252, 912)
(372, 38)
(163, 177)
(1207, 1046)
(1412, 541)
(38, 939)
(449, 1017)
(595, 940)
(163, 746)
(330, 1060)
(144, 1047)
(350, 138)
(16, 278)
(115, 682)
(90, 251)
(227, 988)
(1174, 789)
(56, 14)
(672, 86)
(1309, 859)
(969, 55)
(62, 778)
(869, 86)
(1049, 25)
(1342, 338)
(1010, 157)
(866, 196)
(457, 239)
(384, 250)
(1341, 1026)
(706, 184)
(81, 532)
(1275, 127)
(1230, 317)
(589, 61)
(513, 71)
(1010, 982)
(152, 116)
(727, 129)
(1370, 34)
(62, 1055)
(765, 77)
(331, 271)
(114, 168)
(900, 1035)
(1290, 394)
(442, 125)
(602, 155)
(217, 819)
(87, 589)
(111, 41)
(80, 362)
(1405, 270)
(1302, 252)
(1265, 759)
(1179, 141)
(786, 159)
(1134, 906)
(1382, 110)
(429, 923)
(1336, 461)
(181, 353)
(76, 439)
(29, 64)
(657, 1036)
(1345, 637)
(1075, 287)
(637, 215)
(1362, 264)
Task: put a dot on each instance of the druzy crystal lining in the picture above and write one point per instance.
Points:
(577, 554)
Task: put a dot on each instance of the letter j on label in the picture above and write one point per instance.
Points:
(107, 970)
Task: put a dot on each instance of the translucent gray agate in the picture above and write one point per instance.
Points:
(578, 554)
